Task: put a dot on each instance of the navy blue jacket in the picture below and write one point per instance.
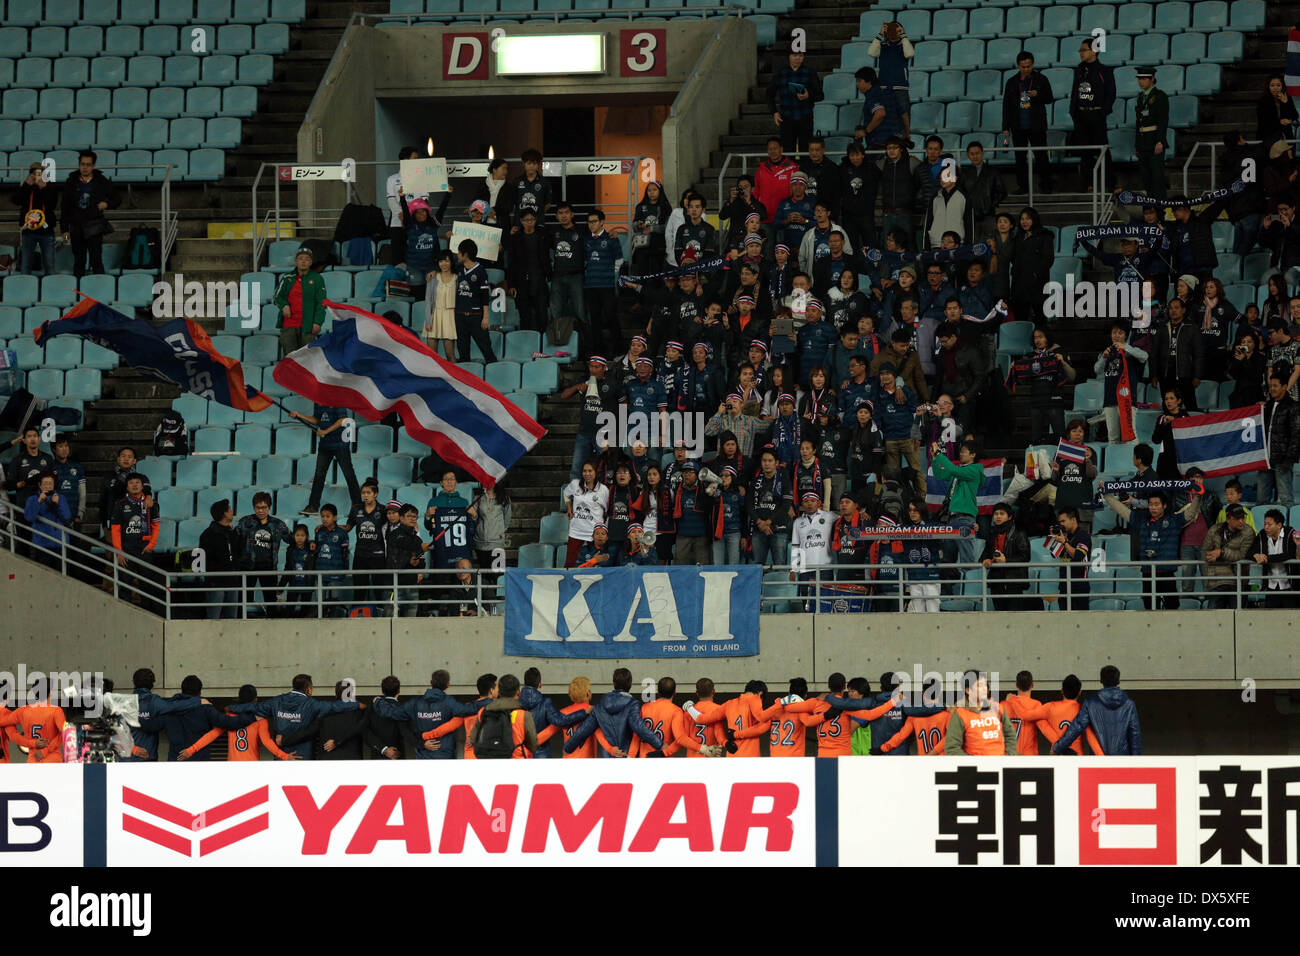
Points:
(546, 714)
(430, 710)
(292, 712)
(151, 707)
(883, 728)
(894, 419)
(1112, 717)
(618, 714)
(184, 727)
(601, 255)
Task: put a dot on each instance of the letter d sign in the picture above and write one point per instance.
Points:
(462, 56)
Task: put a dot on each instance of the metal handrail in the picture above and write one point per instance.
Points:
(168, 219)
(262, 229)
(1098, 198)
(1213, 146)
(811, 589)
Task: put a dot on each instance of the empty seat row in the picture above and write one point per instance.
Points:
(132, 290)
(82, 384)
(1202, 15)
(1062, 19)
(201, 165)
(453, 8)
(32, 13)
(159, 40)
(130, 102)
(223, 132)
(216, 69)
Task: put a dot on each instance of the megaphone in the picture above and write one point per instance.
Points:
(709, 478)
(648, 539)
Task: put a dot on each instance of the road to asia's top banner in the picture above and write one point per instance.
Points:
(633, 612)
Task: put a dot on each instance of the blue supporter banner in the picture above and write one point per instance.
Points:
(633, 612)
(842, 599)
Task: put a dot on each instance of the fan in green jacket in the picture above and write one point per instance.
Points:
(300, 299)
(963, 500)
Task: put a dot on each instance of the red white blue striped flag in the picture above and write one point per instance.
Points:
(1293, 62)
(1222, 443)
(1068, 451)
(989, 494)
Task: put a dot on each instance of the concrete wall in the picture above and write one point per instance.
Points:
(54, 624)
(405, 63)
(707, 105)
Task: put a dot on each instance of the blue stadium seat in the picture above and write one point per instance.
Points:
(192, 408)
(1248, 14)
(113, 133)
(288, 11)
(123, 39)
(220, 69)
(95, 102)
(99, 288)
(273, 472)
(216, 11)
(189, 530)
(1210, 15)
(34, 71)
(210, 438)
(1228, 47)
(541, 376)
(137, 11)
(271, 38)
(256, 68)
(185, 133)
(48, 41)
(235, 38)
(85, 40)
(931, 55)
(261, 349)
(181, 70)
(293, 441)
(83, 383)
(1135, 18)
(1151, 48)
(1202, 79)
(176, 502)
(20, 290)
(963, 115)
(394, 470)
(853, 56)
(135, 290)
(63, 12)
(224, 132)
(1060, 21)
(202, 101)
(34, 316)
(196, 472)
(967, 54)
(554, 528)
(207, 164)
(58, 290)
(503, 376)
(30, 355)
(840, 87)
(11, 322)
(148, 133)
(96, 356)
(947, 85)
(40, 134)
(77, 131)
(21, 103)
(160, 40)
(63, 352)
(239, 101)
(948, 24)
(915, 21)
(375, 441)
(253, 440)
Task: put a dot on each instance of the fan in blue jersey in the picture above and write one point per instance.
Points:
(449, 520)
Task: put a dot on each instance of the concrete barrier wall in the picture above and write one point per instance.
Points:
(54, 624)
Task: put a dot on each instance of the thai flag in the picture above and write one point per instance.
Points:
(1293, 62)
(1222, 443)
(989, 494)
(1068, 451)
(1055, 548)
(374, 367)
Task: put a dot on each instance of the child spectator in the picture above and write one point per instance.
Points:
(301, 587)
(331, 554)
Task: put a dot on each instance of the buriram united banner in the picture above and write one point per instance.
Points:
(633, 612)
(1043, 811)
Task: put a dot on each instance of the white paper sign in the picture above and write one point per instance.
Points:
(423, 176)
(486, 238)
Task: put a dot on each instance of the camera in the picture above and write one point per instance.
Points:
(1056, 529)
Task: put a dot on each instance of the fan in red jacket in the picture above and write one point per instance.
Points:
(772, 178)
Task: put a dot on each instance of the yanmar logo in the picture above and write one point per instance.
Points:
(194, 822)
(393, 822)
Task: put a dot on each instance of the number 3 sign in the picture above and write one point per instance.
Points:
(642, 53)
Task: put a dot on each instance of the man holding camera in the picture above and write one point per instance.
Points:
(892, 49)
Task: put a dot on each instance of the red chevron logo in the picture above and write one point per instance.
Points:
(194, 822)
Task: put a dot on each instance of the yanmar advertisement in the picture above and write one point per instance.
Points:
(634, 813)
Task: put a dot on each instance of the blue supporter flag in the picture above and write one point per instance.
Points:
(178, 351)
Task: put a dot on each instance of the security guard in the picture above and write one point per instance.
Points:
(1152, 126)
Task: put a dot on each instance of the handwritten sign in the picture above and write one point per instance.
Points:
(486, 238)
(423, 176)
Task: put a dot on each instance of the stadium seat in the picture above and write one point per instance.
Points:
(203, 101)
(182, 70)
(35, 72)
(85, 40)
(144, 71)
(536, 556)
(840, 87)
(1135, 18)
(255, 69)
(930, 55)
(239, 101)
(394, 470)
(521, 345)
(45, 383)
(1248, 14)
(541, 376)
(554, 528)
(374, 440)
(58, 290)
(20, 290)
(276, 471)
(210, 438)
(192, 408)
(293, 441)
(503, 376)
(1210, 15)
(35, 316)
(207, 164)
(1202, 79)
(1015, 338)
(176, 502)
(11, 322)
(947, 85)
(253, 440)
(135, 290)
(63, 352)
(188, 531)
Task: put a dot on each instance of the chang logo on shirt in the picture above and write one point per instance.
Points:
(262, 538)
(564, 250)
(1085, 92)
(135, 525)
(464, 288)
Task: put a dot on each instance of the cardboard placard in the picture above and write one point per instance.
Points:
(423, 176)
(486, 238)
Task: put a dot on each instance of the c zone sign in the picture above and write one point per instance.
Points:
(464, 56)
(629, 813)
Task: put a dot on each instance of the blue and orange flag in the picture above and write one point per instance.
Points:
(178, 351)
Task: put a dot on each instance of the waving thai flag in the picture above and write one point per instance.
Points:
(988, 494)
(1222, 443)
(374, 367)
(1293, 62)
